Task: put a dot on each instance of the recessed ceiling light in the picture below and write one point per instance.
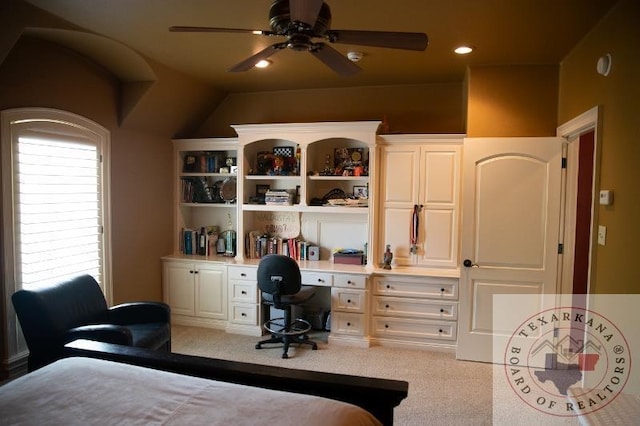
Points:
(263, 64)
(463, 50)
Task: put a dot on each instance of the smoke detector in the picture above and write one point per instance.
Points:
(354, 56)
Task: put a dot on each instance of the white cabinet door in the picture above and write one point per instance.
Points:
(179, 287)
(439, 200)
(211, 291)
(399, 189)
(427, 175)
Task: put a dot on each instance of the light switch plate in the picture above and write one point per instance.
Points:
(602, 235)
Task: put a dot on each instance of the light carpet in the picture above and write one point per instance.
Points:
(442, 390)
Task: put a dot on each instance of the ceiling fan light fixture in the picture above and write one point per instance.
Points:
(463, 50)
(264, 63)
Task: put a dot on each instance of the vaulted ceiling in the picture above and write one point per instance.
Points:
(502, 31)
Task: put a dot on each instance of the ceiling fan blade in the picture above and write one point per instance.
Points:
(305, 10)
(187, 29)
(335, 60)
(391, 39)
(251, 61)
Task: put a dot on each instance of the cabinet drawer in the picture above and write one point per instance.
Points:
(418, 287)
(317, 278)
(347, 323)
(350, 281)
(241, 273)
(244, 314)
(406, 328)
(414, 308)
(348, 300)
(244, 292)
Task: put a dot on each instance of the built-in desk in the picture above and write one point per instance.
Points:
(405, 306)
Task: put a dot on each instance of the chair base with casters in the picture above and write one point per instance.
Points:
(291, 332)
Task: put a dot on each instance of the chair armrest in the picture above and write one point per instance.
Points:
(139, 313)
(107, 333)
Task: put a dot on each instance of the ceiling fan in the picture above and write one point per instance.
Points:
(302, 21)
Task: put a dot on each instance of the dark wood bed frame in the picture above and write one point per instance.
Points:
(377, 396)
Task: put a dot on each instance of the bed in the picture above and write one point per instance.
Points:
(101, 383)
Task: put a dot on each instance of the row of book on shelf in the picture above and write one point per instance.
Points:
(258, 244)
(207, 241)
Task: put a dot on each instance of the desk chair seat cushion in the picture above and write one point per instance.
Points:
(306, 292)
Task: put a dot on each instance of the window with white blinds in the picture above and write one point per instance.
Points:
(58, 212)
(55, 188)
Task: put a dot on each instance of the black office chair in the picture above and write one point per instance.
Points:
(281, 285)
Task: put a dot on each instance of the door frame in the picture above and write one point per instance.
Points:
(590, 120)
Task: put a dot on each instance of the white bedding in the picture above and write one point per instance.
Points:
(83, 391)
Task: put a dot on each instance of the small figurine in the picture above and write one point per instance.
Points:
(327, 171)
(388, 257)
(278, 165)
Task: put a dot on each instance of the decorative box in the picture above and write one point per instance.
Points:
(348, 258)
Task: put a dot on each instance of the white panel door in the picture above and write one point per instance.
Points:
(211, 292)
(510, 232)
(439, 200)
(178, 288)
(399, 194)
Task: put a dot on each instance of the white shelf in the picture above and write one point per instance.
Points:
(269, 177)
(351, 178)
(222, 175)
(306, 209)
(210, 205)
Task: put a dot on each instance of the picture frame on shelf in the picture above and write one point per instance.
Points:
(261, 191)
(360, 191)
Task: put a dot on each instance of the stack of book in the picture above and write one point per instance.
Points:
(279, 197)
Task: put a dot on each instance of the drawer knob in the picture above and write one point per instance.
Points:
(320, 280)
(386, 306)
(386, 326)
(388, 286)
(441, 310)
(243, 314)
(348, 324)
(442, 290)
(440, 331)
(350, 282)
(242, 274)
(348, 300)
(243, 292)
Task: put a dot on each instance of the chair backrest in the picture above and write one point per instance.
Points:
(279, 275)
(46, 312)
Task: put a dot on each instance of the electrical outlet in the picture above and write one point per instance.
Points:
(602, 235)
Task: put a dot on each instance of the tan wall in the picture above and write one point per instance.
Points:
(513, 100)
(429, 108)
(141, 203)
(581, 88)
